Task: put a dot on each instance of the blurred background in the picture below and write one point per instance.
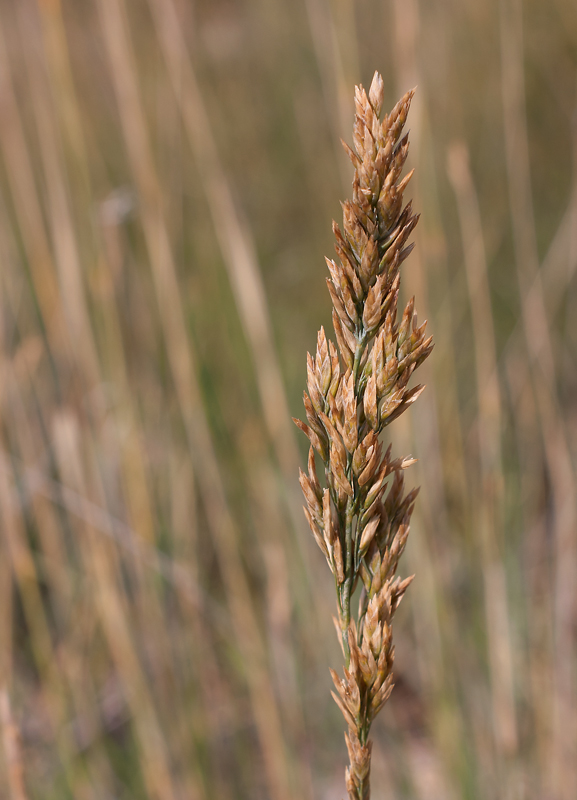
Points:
(169, 170)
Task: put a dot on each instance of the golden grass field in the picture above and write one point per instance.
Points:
(169, 171)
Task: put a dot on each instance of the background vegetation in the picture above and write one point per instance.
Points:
(168, 173)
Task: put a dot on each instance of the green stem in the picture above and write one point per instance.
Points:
(352, 502)
(358, 355)
(347, 586)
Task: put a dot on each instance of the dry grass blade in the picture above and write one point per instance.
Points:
(102, 566)
(335, 82)
(562, 767)
(233, 235)
(431, 607)
(12, 749)
(25, 193)
(237, 246)
(221, 522)
(490, 517)
(67, 257)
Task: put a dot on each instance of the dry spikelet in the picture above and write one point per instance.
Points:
(354, 392)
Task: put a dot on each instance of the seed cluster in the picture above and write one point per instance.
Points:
(355, 389)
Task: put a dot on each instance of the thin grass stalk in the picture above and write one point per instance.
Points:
(67, 258)
(432, 607)
(12, 748)
(95, 777)
(537, 596)
(30, 571)
(237, 247)
(232, 232)
(239, 254)
(68, 111)
(557, 266)
(25, 579)
(280, 570)
(25, 198)
(563, 770)
(60, 76)
(489, 428)
(571, 266)
(6, 612)
(354, 392)
(101, 566)
(70, 251)
(42, 511)
(342, 25)
(332, 71)
(212, 692)
(6, 600)
(556, 271)
(181, 359)
(28, 442)
(37, 482)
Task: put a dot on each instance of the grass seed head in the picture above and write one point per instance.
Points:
(356, 389)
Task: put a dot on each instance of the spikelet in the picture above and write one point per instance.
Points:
(356, 388)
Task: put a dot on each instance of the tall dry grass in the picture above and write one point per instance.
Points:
(167, 170)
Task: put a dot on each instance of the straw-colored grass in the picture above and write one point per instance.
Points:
(167, 171)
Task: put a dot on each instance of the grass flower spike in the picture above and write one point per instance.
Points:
(356, 388)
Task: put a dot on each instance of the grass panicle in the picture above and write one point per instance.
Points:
(356, 388)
